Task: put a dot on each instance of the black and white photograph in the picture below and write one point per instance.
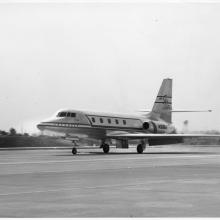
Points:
(109, 109)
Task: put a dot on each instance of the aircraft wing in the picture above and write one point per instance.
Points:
(157, 136)
(159, 139)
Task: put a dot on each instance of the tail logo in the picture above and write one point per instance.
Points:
(165, 99)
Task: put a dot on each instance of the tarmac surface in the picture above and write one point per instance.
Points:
(165, 181)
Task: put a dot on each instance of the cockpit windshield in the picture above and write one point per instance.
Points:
(62, 114)
(66, 114)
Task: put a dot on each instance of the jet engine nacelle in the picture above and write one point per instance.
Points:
(155, 126)
(150, 126)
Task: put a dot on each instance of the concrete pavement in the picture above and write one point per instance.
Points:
(166, 181)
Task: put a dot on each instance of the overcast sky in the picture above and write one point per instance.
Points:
(108, 57)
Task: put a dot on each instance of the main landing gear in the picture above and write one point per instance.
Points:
(105, 148)
(140, 148)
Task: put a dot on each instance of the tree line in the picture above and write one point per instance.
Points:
(12, 132)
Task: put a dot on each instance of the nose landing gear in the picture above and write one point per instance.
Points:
(74, 151)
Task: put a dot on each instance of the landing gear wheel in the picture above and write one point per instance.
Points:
(105, 148)
(140, 148)
(74, 151)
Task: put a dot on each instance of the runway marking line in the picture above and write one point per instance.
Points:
(107, 159)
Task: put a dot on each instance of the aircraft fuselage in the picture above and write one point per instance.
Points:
(97, 125)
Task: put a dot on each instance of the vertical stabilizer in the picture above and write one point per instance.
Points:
(163, 103)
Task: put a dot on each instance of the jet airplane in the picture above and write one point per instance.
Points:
(152, 128)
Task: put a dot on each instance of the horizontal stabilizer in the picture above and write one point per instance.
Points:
(182, 110)
(179, 110)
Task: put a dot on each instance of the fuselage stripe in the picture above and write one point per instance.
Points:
(71, 125)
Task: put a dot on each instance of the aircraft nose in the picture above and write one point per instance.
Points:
(44, 124)
(41, 126)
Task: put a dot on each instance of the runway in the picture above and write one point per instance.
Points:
(165, 181)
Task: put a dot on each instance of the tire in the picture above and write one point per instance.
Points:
(140, 149)
(105, 148)
(74, 151)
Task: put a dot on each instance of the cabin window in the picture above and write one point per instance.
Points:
(116, 121)
(93, 120)
(124, 122)
(109, 120)
(101, 120)
(73, 115)
(68, 114)
(62, 114)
